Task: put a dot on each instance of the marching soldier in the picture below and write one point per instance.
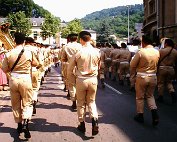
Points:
(114, 62)
(71, 49)
(20, 82)
(124, 57)
(144, 67)
(166, 72)
(35, 73)
(87, 62)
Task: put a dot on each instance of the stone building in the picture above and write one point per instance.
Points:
(160, 19)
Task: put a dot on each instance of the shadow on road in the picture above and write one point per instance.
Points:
(41, 125)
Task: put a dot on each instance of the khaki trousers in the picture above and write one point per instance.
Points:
(71, 82)
(123, 70)
(107, 64)
(86, 94)
(21, 98)
(101, 71)
(145, 86)
(35, 84)
(164, 78)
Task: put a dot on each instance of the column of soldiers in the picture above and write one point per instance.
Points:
(80, 66)
(26, 64)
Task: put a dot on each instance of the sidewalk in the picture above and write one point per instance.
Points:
(3, 96)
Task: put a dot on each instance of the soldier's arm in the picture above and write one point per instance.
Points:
(64, 56)
(5, 65)
(35, 62)
(133, 64)
(71, 66)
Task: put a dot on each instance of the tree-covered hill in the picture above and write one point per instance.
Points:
(114, 19)
(28, 6)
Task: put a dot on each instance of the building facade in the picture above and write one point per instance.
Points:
(160, 19)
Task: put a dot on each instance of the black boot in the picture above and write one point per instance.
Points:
(160, 99)
(74, 107)
(102, 83)
(109, 74)
(25, 129)
(121, 82)
(173, 97)
(81, 127)
(139, 118)
(34, 107)
(95, 126)
(68, 95)
(155, 117)
(19, 128)
(65, 89)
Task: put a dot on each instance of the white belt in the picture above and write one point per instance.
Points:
(145, 74)
(166, 67)
(18, 75)
(86, 77)
(108, 58)
(34, 69)
(124, 62)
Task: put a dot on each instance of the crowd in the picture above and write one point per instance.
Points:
(140, 66)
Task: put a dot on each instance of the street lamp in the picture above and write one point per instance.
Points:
(128, 25)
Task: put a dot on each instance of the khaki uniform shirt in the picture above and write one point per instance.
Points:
(145, 61)
(124, 55)
(169, 60)
(70, 49)
(87, 62)
(25, 63)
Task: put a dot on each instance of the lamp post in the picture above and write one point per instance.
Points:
(128, 25)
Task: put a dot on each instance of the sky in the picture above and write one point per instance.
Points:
(68, 10)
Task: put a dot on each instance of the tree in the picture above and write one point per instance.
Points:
(50, 26)
(73, 26)
(104, 31)
(28, 6)
(20, 23)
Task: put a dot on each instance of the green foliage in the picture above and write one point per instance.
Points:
(50, 26)
(73, 26)
(116, 20)
(28, 6)
(19, 22)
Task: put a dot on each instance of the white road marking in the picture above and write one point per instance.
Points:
(113, 89)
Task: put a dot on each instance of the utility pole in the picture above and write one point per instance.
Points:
(128, 25)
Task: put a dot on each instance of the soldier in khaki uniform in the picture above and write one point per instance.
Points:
(29, 45)
(71, 49)
(124, 57)
(114, 62)
(87, 62)
(166, 72)
(20, 83)
(107, 50)
(144, 67)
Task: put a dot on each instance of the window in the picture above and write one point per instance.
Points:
(152, 7)
(34, 23)
(35, 35)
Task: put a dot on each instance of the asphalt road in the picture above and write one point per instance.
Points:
(56, 122)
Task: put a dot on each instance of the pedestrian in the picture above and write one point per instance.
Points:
(144, 67)
(87, 63)
(166, 72)
(71, 49)
(18, 62)
(3, 76)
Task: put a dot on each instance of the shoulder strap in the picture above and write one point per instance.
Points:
(19, 56)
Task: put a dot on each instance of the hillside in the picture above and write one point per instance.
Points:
(115, 19)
